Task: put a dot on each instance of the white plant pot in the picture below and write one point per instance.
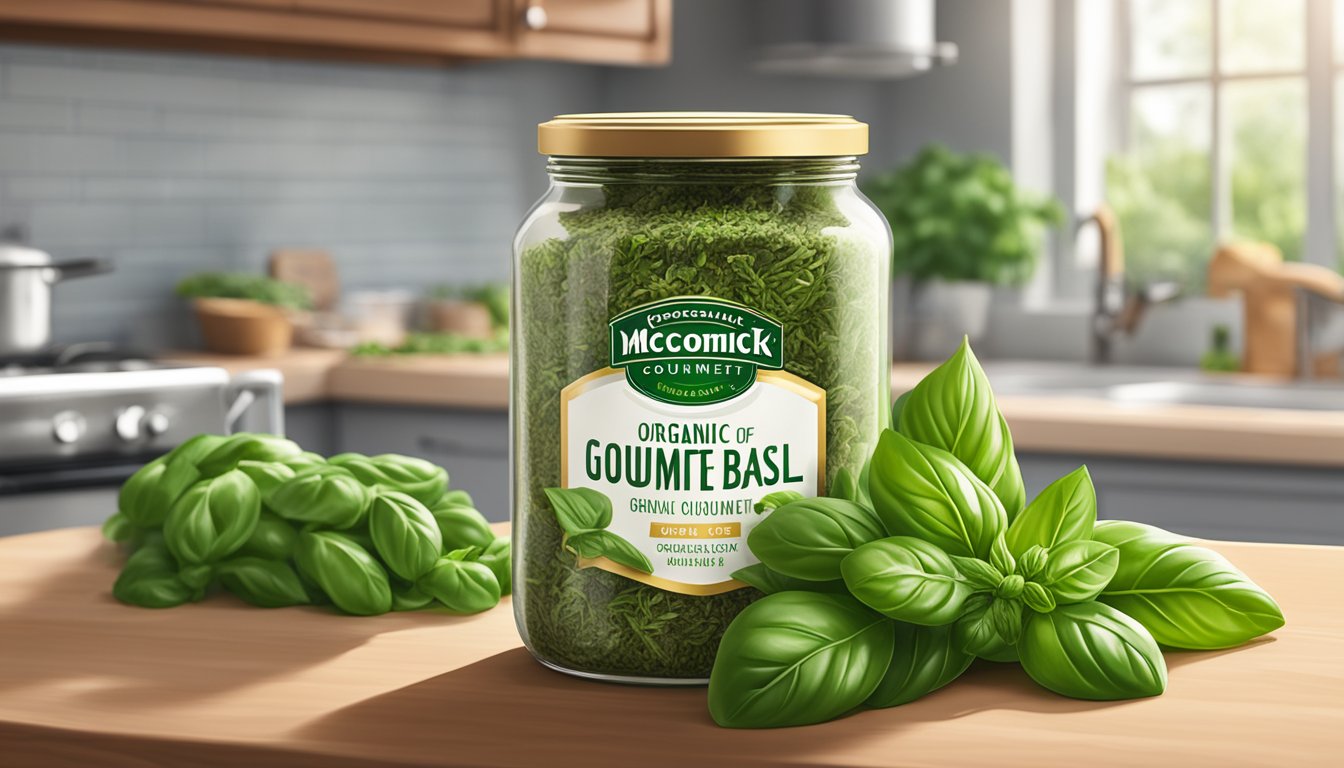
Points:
(937, 314)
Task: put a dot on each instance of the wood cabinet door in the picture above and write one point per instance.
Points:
(457, 13)
(599, 31)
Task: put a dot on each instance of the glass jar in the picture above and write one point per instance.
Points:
(700, 320)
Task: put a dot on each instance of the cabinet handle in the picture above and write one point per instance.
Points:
(438, 445)
(534, 16)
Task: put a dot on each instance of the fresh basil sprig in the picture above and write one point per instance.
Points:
(277, 526)
(946, 558)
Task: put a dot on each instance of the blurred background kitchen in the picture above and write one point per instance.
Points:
(297, 214)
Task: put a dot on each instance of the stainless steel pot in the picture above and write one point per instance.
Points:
(26, 278)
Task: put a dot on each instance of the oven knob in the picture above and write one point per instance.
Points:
(156, 423)
(67, 427)
(129, 423)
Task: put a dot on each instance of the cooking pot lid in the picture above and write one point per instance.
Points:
(21, 256)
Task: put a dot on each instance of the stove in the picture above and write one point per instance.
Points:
(77, 419)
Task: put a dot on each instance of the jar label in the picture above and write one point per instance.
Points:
(691, 425)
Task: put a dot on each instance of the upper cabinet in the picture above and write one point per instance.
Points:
(594, 31)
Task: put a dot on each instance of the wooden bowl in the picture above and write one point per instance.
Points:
(467, 318)
(243, 327)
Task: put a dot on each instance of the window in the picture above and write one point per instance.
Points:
(1213, 116)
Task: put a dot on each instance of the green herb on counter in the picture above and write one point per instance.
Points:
(951, 576)
(277, 527)
(436, 343)
(244, 285)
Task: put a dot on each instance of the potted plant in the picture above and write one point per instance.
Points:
(960, 226)
(475, 311)
(243, 313)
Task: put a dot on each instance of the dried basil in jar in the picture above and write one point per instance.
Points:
(700, 321)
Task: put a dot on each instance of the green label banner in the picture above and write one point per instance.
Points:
(692, 350)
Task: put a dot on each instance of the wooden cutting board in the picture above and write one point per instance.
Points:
(87, 681)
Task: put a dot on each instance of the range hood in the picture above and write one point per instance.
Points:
(878, 39)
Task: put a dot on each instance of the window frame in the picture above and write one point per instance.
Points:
(1318, 75)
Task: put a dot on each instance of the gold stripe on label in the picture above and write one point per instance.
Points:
(695, 530)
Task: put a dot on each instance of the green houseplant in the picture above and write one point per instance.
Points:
(960, 225)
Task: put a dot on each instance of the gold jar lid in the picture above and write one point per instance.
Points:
(702, 134)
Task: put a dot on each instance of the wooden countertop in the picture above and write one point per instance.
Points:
(312, 375)
(85, 681)
(1040, 424)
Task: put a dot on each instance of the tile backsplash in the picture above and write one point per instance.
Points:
(169, 164)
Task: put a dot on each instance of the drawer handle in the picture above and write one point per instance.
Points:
(535, 17)
(430, 444)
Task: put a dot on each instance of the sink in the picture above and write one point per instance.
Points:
(1132, 385)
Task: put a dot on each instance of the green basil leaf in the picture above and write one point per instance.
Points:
(953, 408)
(1092, 651)
(461, 526)
(924, 660)
(262, 582)
(925, 492)
(324, 495)
(1065, 511)
(580, 509)
(149, 579)
(864, 499)
(463, 586)
(198, 577)
(193, 450)
(246, 446)
(408, 597)
(1032, 562)
(498, 557)
(143, 500)
(908, 580)
(981, 575)
(1079, 570)
(456, 497)
(796, 658)
(305, 460)
(772, 501)
(1038, 598)
(897, 406)
(405, 534)
(1005, 615)
(266, 475)
(420, 479)
(843, 486)
(614, 548)
(1000, 557)
(212, 519)
(345, 571)
(1186, 595)
(808, 539)
(974, 632)
(273, 538)
(769, 581)
(118, 528)
(465, 553)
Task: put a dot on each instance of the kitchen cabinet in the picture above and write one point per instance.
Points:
(1243, 502)
(594, 31)
(88, 681)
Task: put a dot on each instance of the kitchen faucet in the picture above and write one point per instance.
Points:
(1294, 312)
(1118, 309)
